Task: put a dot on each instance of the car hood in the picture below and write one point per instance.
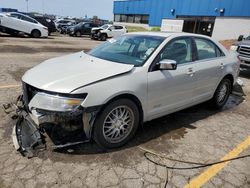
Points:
(244, 42)
(96, 28)
(67, 73)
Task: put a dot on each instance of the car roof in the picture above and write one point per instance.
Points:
(16, 13)
(167, 34)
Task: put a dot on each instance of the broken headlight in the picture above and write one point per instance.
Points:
(55, 102)
(234, 48)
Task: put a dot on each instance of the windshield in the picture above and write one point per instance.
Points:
(104, 26)
(248, 38)
(128, 49)
(80, 24)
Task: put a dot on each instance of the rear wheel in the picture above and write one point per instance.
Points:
(222, 93)
(36, 34)
(116, 124)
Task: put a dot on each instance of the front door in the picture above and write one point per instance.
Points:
(13, 22)
(171, 90)
(86, 29)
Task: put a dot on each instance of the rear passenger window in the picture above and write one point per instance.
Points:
(28, 19)
(207, 49)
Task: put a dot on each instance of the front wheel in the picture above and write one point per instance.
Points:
(116, 124)
(78, 34)
(36, 34)
(222, 93)
(103, 37)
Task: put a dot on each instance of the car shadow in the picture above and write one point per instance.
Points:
(24, 36)
(171, 127)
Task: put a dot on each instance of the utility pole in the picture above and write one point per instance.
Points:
(43, 6)
(27, 5)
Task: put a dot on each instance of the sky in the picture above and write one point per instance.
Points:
(75, 8)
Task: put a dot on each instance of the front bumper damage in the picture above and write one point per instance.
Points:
(32, 129)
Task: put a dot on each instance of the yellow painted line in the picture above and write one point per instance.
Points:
(213, 170)
(9, 86)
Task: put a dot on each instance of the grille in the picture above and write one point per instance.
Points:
(244, 51)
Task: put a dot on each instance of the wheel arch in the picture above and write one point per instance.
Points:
(104, 33)
(36, 30)
(131, 97)
(230, 77)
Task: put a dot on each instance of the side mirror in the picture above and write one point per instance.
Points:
(167, 64)
(241, 37)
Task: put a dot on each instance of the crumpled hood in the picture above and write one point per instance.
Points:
(96, 28)
(67, 73)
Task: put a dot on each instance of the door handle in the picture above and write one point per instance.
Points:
(222, 66)
(190, 71)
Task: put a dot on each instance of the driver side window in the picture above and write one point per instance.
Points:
(179, 50)
(86, 25)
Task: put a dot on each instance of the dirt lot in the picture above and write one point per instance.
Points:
(197, 134)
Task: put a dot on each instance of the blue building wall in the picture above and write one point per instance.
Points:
(159, 9)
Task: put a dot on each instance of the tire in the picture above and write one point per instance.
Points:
(103, 37)
(78, 34)
(36, 34)
(222, 94)
(14, 34)
(107, 126)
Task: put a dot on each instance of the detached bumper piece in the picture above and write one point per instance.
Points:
(27, 138)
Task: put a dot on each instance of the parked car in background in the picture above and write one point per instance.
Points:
(108, 31)
(60, 24)
(107, 93)
(46, 21)
(14, 23)
(82, 29)
(243, 48)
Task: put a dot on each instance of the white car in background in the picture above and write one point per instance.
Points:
(107, 31)
(107, 93)
(13, 23)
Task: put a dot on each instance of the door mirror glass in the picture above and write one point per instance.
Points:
(167, 64)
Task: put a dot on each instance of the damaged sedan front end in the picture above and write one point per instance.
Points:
(59, 116)
(57, 101)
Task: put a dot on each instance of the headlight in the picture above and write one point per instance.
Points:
(71, 29)
(55, 103)
(233, 48)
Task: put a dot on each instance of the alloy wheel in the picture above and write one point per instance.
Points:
(118, 124)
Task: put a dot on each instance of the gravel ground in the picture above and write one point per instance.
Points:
(197, 134)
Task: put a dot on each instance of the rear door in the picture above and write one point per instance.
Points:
(27, 24)
(208, 67)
